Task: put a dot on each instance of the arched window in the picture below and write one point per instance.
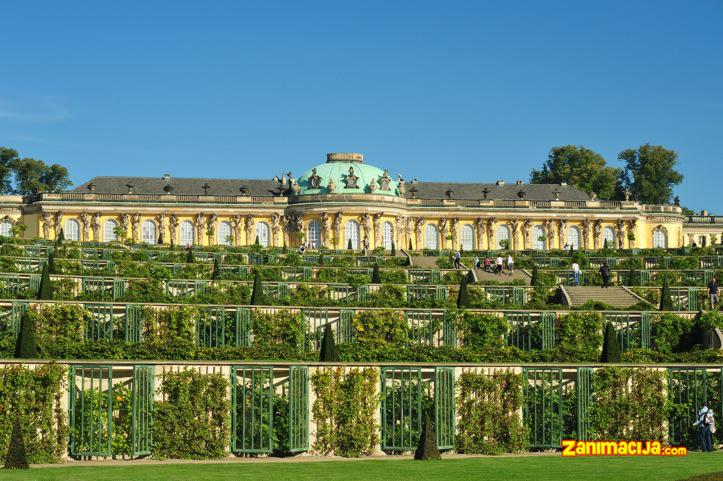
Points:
(573, 238)
(608, 235)
(6, 228)
(262, 232)
(149, 233)
(71, 230)
(351, 233)
(467, 237)
(188, 233)
(660, 238)
(538, 238)
(109, 231)
(313, 234)
(503, 236)
(431, 237)
(223, 234)
(387, 235)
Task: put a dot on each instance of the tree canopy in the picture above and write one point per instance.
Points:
(580, 167)
(649, 173)
(26, 175)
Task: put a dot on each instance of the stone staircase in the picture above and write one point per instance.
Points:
(613, 296)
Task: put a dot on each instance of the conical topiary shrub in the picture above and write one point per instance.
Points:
(25, 345)
(410, 245)
(190, 258)
(463, 295)
(329, 352)
(611, 346)
(376, 279)
(394, 249)
(257, 294)
(535, 280)
(216, 271)
(17, 456)
(321, 259)
(348, 245)
(427, 445)
(51, 263)
(284, 249)
(45, 291)
(256, 242)
(666, 301)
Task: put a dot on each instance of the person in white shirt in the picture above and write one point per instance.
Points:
(706, 426)
(575, 273)
(498, 263)
(510, 264)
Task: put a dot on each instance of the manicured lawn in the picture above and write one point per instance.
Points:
(538, 468)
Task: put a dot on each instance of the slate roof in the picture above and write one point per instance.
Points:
(181, 186)
(260, 187)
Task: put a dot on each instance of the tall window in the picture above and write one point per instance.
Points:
(573, 238)
(223, 234)
(538, 238)
(109, 231)
(71, 230)
(262, 232)
(351, 232)
(467, 237)
(188, 233)
(6, 228)
(660, 238)
(313, 234)
(608, 235)
(431, 237)
(503, 236)
(149, 234)
(387, 235)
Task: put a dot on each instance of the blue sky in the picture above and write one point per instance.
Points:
(465, 91)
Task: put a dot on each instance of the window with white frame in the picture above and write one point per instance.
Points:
(660, 239)
(188, 233)
(352, 233)
(387, 235)
(573, 238)
(109, 231)
(467, 237)
(224, 234)
(149, 233)
(313, 234)
(262, 233)
(71, 230)
(503, 237)
(431, 237)
(538, 238)
(608, 235)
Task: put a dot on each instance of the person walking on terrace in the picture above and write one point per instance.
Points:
(575, 273)
(706, 426)
(713, 293)
(510, 264)
(498, 263)
(605, 274)
(457, 260)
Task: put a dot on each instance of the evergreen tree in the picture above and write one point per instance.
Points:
(257, 295)
(535, 280)
(348, 245)
(45, 291)
(410, 245)
(666, 301)
(284, 249)
(256, 242)
(394, 250)
(51, 263)
(329, 352)
(61, 237)
(427, 445)
(376, 279)
(216, 271)
(611, 346)
(463, 296)
(17, 456)
(25, 345)
(190, 259)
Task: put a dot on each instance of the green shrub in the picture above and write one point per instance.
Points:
(580, 337)
(380, 328)
(282, 327)
(483, 331)
(671, 333)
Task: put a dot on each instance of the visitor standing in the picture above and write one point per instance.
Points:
(457, 259)
(713, 293)
(488, 264)
(605, 274)
(498, 262)
(575, 273)
(476, 262)
(510, 264)
(705, 422)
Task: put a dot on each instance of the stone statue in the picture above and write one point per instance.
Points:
(331, 186)
(372, 185)
(401, 187)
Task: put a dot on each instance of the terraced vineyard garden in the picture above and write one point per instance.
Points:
(150, 351)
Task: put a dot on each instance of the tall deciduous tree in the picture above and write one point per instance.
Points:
(7, 158)
(649, 173)
(25, 175)
(580, 167)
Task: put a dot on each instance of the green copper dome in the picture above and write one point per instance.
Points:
(346, 173)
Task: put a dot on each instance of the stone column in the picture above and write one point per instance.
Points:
(123, 220)
(526, 241)
(453, 222)
(211, 229)
(400, 228)
(479, 229)
(135, 223)
(161, 219)
(561, 229)
(631, 230)
(491, 233)
(46, 221)
(514, 228)
(620, 233)
(418, 224)
(366, 222)
(585, 225)
(336, 229)
(249, 229)
(596, 231)
(84, 226)
(173, 228)
(275, 223)
(377, 220)
(237, 223)
(58, 222)
(550, 233)
(442, 225)
(95, 225)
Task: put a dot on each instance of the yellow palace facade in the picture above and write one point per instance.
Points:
(342, 202)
